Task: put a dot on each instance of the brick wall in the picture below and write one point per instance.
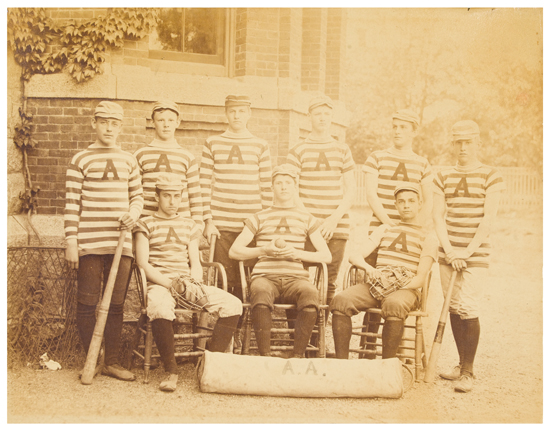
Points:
(336, 47)
(314, 41)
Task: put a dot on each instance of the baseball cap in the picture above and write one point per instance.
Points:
(407, 115)
(320, 101)
(285, 169)
(464, 129)
(169, 181)
(236, 100)
(166, 104)
(412, 187)
(108, 109)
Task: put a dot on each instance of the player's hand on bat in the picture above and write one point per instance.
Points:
(459, 264)
(462, 254)
(328, 227)
(127, 221)
(210, 229)
(71, 254)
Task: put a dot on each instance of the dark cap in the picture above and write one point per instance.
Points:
(285, 169)
(465, 129)
(108, 109)
(411, 187)
(320, 101)
(169, 181)
(166, 104)
(234, 100)
(407, 115)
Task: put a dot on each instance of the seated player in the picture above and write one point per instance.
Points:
(167, 248)
(410, 252)
(279, 275)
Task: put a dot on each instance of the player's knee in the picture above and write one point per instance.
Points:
(232, 306)
(340, 305)
(395, 310)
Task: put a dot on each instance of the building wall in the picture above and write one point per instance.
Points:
(266, 61)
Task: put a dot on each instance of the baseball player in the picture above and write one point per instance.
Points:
(167, 248)
(406, 253)
(326, 183)
(235, 180)
(104, 194)
(280, 233)
(164, 154)
(385, 169)
(466, 202)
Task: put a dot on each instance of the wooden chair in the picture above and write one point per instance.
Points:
(282, 337)
(191, 328)
(412, 349)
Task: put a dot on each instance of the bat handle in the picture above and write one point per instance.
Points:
(213, 239)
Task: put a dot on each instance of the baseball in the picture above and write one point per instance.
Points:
(280, 243)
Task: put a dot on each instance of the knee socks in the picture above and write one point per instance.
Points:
(305, 321)
(471, 333)
(341, 332)
(261, 321)
(113, 331)
(223, 332)
(391, 337)
(163, 333)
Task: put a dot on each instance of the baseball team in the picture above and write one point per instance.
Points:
(279, 218)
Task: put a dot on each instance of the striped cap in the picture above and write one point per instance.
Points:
(464, 130)
(407, 115)
(169, 181)
(166, 104)
(285, 169)
(412, 187)
(320, 101)
(233, 100)
(108, 109)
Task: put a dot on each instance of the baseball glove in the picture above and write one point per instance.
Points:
(393, 278)
(189, 293)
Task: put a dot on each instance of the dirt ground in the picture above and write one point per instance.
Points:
(509, 367)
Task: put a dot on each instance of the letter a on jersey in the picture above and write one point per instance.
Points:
(401, 239)
(400, 170)
(322, 160)
(283, 226)
(235, 152)
(462, 185)
(110, 167)
(163, 161)
(172, 236)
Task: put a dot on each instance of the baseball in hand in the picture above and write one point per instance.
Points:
(280, 243)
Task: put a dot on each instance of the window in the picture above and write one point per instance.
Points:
(190, 34)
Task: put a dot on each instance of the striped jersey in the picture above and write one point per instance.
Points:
(291, 224)
(393, 166)
(322, 165)
(465, 189)
(168, 241)
(235, 179)
(103, 183)
(158, 157)
(403, 245)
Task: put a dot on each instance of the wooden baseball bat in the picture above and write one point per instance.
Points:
(95, 343)
(213, 239)
(429, 375)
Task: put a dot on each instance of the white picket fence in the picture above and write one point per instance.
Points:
(523, 188)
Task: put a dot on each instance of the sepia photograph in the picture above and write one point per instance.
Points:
(268, 215)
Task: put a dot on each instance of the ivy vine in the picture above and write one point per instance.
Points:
(40, 46)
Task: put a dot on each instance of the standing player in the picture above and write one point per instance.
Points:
(235, 179)
(104, 194)
(167, 248)
(404, 247)
(465, 208)
(387, 168)
(279, 273)
(327, 183)
(164, 154)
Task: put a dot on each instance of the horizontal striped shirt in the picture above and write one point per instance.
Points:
(158, 157)
(322, 165)
(393, 166)
(103, 183)
(294, 226)
(235, 179)
(168, 241)
(465, 189)
(403, 245)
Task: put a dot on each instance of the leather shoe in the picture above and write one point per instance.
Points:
(118, 372)
(465, 383)
(454, 374)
